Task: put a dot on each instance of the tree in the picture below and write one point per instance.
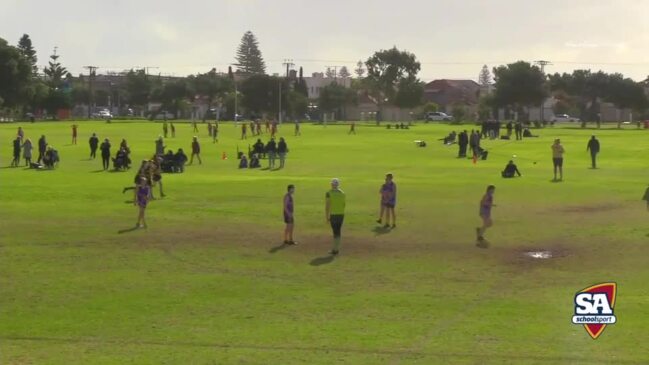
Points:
(138, 87)
(297, 104)
(211, 86)
(15, 76)
(54, 71)
(392, 77)
(459, 112)
(334, 97)
(359, 71)
(410, 94)
(330, 73)
(249, 59)
(485, 77)
(261, 93)
(173, 95)
(300, 85)
(28, 51)
(344, 72)
(520, 85)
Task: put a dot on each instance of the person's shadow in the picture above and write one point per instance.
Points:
(132, 229)
(278, 248)
(318, 261)
(381, 230)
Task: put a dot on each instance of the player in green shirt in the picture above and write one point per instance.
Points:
(335, 212)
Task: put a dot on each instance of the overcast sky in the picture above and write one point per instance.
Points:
(451, 38)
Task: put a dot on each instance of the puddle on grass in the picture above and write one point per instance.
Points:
(541, 255)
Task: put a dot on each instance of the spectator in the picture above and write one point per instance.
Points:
(282, 150)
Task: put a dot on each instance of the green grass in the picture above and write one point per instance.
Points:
(201, 287)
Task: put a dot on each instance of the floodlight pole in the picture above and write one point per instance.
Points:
(280, 103)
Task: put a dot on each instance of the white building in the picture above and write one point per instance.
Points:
(317, 81)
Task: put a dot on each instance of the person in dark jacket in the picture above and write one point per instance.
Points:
(94, 143)
(17, 147)
(42, 147)
(105, 153)
(282, 149)
(196, 151)
(510, 170)
(271, 150)
(463, 142)
(593, 147)
(518, 128)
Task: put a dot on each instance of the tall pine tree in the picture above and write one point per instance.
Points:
(54, 71)
(25, 47)
(249, 59)
(485, 76)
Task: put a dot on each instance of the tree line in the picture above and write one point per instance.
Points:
(388, 77)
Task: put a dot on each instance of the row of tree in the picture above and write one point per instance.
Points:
(521, 85)
(388, 77)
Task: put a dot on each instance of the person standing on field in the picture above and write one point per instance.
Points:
(196, 151)
(646, 197)
(94, 143)
(486, 204)
(215, 132)
(105, 153)
(42, 147)
(173, 130)
(335, 212)
(27, 151)
(282, 150)
(388, 193)
(518, 128)
(141, 199)
(593, 147)
(74, 133)
(288, 216)
(557, 159)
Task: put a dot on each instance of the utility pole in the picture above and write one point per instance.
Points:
(146, 69)
(335, 71)
(91, 78)
(542, 64)
(289, 64)
(280, 103)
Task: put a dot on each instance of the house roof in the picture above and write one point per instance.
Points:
(468, 85)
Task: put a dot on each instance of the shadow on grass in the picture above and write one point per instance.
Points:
(278, 248)
(381, 230)
(318, 261)
(127, 230)
(102, 170)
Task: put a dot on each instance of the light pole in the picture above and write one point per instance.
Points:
(280, 103)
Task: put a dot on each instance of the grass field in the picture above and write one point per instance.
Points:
(209, 283)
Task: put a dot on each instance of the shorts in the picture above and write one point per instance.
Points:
(389, 204)
(288, 219)
(336, 224)
(558, 162)
(157, 177)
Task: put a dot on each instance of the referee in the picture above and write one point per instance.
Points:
(335, 212)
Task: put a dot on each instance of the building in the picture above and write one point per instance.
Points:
(446, 93)
(317, 81)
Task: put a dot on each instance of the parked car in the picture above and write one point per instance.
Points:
(103, 114)
(438, 117)
(564, 118)
(162, 115)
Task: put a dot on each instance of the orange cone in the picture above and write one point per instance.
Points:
(224, 156)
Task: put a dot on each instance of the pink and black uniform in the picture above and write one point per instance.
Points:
(389, 194)
(142, 195)
(485, 206)
(288, 208)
